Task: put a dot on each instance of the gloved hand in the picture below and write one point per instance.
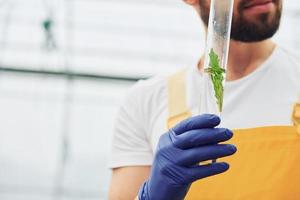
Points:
(179, 151)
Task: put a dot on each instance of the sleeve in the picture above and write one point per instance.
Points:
(130, 146)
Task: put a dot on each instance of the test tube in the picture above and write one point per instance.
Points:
(216, 56)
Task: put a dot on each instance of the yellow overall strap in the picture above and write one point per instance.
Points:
(178, 109)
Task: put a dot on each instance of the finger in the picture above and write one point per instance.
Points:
(190, 157)
(201, 137)
(197, 122)
(198, 172)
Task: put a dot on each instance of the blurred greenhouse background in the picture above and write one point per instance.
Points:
(65, 65)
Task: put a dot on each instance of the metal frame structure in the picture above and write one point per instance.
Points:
(67, 74)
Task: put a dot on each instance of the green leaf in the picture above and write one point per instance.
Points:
(217, 77)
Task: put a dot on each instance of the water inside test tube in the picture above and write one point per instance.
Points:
(217, 47)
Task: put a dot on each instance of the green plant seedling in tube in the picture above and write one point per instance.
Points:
(216, 56)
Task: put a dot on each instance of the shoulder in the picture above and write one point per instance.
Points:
(145, 90)
(287, 64)
(288, 69)
(136, 109)
(146, 97)
(291, 56)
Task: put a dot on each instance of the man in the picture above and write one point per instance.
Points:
(263, 84)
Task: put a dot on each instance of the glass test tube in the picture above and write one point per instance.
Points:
(216, 56)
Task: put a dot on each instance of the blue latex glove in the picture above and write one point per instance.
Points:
(176, 163)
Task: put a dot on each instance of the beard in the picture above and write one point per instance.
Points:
(263, 27)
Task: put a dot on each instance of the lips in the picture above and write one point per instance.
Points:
(254, 3)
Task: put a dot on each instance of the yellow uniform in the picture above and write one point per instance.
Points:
(266, 165)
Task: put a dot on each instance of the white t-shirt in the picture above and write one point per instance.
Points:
(263, 98)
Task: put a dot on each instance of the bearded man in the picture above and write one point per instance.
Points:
(162, 140)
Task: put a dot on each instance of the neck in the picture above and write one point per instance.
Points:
(244, 58)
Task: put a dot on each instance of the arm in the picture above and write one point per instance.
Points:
(126, 181)
(131, 152)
